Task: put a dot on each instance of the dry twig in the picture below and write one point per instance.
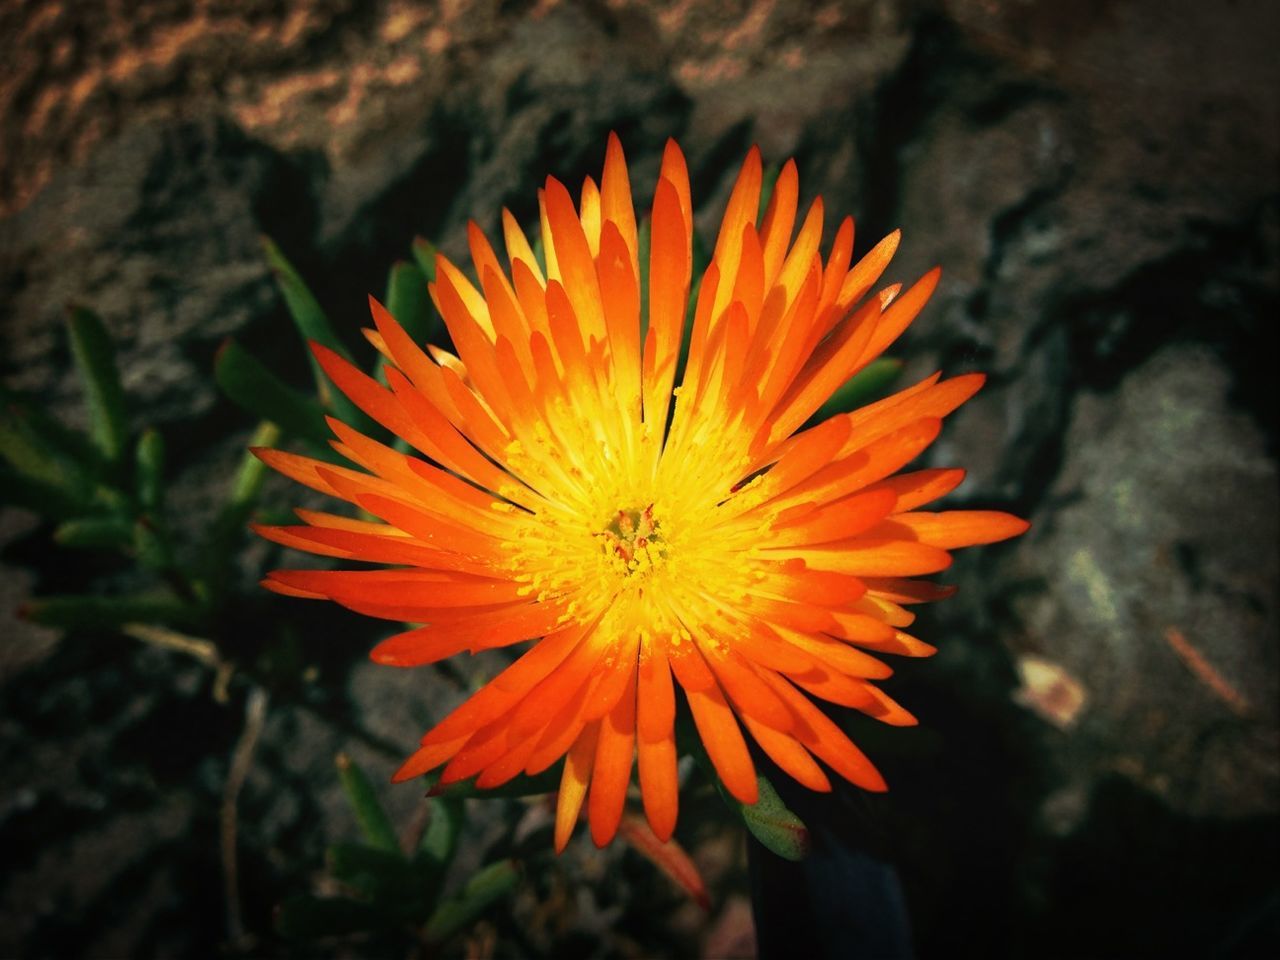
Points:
(255, 715)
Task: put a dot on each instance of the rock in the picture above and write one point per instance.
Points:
(1157, 545)
(158, 234)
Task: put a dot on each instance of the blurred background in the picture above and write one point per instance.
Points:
(1096, 771)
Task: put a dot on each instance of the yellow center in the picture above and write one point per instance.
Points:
(634, 533)
(633, 541)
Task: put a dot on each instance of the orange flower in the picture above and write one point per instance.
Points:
(643, 537)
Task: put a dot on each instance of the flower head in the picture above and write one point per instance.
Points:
(646, 537)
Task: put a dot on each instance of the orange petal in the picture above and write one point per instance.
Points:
(549, 696)
(573, 256)
(751, 697)
(839, 656)
(826, 740)
(716, 725)
(812, 453)
(573, 784)
(428, 758)
(614, 682)
(621, 292)
(840, 520)
(670, 266)
(925, 400)
(668, 856)
(518, 249)
(506, 689)
(823, 588)
(864, 467)
(900, 314)
(277, 586)
(955, 528)
(900, 590)
(867, 271)
(485, 746)
(589, 215)
(615, 751)
(659, 783)
(887, 710)
(787, 753)
(779, 220)
(560, 733)
(877, 558)
(498, 628)
(919, 487)
(615, 199)
(433, 587)
(744, 204)
(508, 766)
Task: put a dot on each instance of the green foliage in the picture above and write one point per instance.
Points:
(394, 894)
(374, 823)
(149, 469)
(424, 254)
(72, 612)
(100, 498)
(95, 359)
(769, 820)
(38, 461)
(251, 385)
(409, 302)
(307, 314)
(773, 824)
(489, 885)
(314, 326)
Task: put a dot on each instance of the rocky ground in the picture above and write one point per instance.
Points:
(1098, 765)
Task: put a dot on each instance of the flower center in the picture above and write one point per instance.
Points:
(633, 541)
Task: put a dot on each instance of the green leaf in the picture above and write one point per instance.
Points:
(312, 323)
(94, 355)
(379, 875)
(151, 545)
(373, 820)
(251, 385)
(42, 498)
(870, 383)
(71, 612)
(768, 181)
(311, 918)
(772, 822)
(409, 302)
(228, 530)
(644, 235)
(95, 533)
(424, 251)
(247, 484)
(64, 442)
(488, 886)
(440, 839)
(28, 451)
(768, 819)
(307, 314)
(539, 252)
(149, 465)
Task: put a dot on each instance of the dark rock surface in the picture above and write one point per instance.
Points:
(1098, 768)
